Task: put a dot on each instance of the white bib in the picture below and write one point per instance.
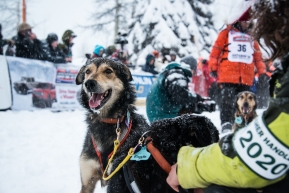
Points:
(240, 47)
(258, 148)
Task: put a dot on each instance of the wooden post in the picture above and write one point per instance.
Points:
(23, 11)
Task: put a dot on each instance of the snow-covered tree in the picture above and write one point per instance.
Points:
(10, 16)
(205, 34)
(111, 14)
(166, 25)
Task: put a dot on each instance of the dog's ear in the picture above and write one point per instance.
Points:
(126, 71)
(80, 76)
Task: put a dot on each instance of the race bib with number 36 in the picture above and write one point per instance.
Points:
(261, 151)
(241, 47)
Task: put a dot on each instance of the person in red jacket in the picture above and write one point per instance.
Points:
(232, 60)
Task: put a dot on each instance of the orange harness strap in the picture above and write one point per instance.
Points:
(163, 163)
(98, 153)
(112, 120)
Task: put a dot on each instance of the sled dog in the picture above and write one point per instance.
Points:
(116, 132)
(245, 105)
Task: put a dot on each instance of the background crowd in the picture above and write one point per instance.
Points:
(26, 45)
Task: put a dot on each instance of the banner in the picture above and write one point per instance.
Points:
(39, 84)
(67, 92)
(5, 88)
(142, 83)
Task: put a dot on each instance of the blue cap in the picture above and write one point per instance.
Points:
(97, 49)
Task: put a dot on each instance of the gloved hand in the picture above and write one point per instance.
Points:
(10, 42)
(214, 74)
(263, 82)
(263, 79)
(279, 82)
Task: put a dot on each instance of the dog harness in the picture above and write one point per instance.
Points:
(158, 157)
(116, 144)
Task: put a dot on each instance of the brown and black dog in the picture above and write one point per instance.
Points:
(246, 105)
(108, 97)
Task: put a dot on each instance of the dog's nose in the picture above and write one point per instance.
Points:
(90, 85)
(246, 104)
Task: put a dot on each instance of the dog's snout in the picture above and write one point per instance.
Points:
(246, 104)
(90, 85)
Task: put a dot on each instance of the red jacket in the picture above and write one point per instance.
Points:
(234, 72)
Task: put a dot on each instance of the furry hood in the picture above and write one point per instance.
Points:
(236, 10)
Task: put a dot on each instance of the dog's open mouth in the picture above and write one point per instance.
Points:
(97, 100)
(246, 110)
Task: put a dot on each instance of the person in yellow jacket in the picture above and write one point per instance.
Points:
(254, 158)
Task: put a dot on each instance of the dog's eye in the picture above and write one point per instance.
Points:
(108, 71)
(87, 71)
(241, 97)
(250, 97)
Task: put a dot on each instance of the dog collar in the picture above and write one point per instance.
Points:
(112, 120)
(123, 137)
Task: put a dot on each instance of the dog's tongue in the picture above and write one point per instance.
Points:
(95, 99)
(246, 110)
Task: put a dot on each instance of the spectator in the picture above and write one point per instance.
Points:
(67, 39)
(235, 72)
(166, 97)
(11, 48)
(27, 44)
(54, 54)
(173, 56)
(192, 62)
(98, 51)
(199, 80)
(109, 51)
(204, 84)
(150, 64)
(121, 55)
(232, 166)
(158, 61)
(4, 42)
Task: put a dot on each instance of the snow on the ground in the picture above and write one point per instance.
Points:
(39, 150)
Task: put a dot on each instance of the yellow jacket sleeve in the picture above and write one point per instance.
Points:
(219, 164)
(201, 167)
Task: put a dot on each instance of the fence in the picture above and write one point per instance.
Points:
(27, 84)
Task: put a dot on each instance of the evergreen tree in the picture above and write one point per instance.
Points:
(111, 13)
(10, 16)
(203, 18)
(167, 25)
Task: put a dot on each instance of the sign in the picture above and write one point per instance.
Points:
(240, 47)
(261, 151)
(142, 84)
(67, 96)
(66, 74)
